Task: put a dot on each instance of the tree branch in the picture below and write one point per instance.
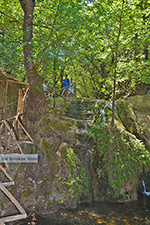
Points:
(11, 17)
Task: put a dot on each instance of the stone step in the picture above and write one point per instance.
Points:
(81, 115)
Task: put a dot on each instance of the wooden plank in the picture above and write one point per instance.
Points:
(2, 124)
(13, 81)
(1, 127)
(14, 218)
(9, 142)
(6, 89)
(27, 142)
(13, 136)
(12, 150)
(10, 118)
(25, 131)
(1, 222)
(8, 183)
(5, 172)
(4, 110)
(15, 133)
(5, 168)
(6, 137)
(20, 105)
(18, 113)
(13, 200)
(1, 141)
(12, 127)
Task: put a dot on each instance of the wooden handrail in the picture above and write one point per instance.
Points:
(13, 81)
(61, 89)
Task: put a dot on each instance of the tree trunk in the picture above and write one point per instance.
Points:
(115, 66)
(36, 103)
(62, 75)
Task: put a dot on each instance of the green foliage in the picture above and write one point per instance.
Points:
(50, 204)
(77, 185)
(91, 42)
(119, 155)
(60, 201)
(102, 109)
(11, 49)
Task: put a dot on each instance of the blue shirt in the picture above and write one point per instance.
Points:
(66, 82)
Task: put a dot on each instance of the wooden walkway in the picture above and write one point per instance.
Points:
(12, 135)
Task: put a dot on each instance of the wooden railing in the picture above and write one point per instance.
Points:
(63, 92)
(11, 140)
(9, 133)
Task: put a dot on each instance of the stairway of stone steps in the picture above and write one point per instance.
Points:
(81, 111)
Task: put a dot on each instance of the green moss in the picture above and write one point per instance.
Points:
(48, 148)
(60, 125)
(77, 183)
(127, 116)
(50, 204)
(80, 124)
(26, 192)
(119, 157)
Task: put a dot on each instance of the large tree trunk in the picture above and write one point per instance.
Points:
(36, 103)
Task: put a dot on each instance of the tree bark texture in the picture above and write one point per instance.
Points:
(36, 101)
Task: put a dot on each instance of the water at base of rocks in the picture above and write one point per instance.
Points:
(133, 213)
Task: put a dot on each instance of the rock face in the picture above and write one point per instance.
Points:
(117, 172)
(134, 112)
(59, 180)
(81, 158)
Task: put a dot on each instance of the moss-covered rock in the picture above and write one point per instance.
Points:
(26, 192)
(118, 162)
(134, 113)
(75, 166)
(127, 116)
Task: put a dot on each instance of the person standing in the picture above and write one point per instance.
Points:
(45, 87)
(65, 85)
(72, 87)
(66, 81)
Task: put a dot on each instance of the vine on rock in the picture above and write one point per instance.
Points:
(119, 156)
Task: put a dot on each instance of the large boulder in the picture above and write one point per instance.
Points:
(59, 179)
(134, 113)
(81, 158)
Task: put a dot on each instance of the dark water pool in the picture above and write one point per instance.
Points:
(133, 213)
